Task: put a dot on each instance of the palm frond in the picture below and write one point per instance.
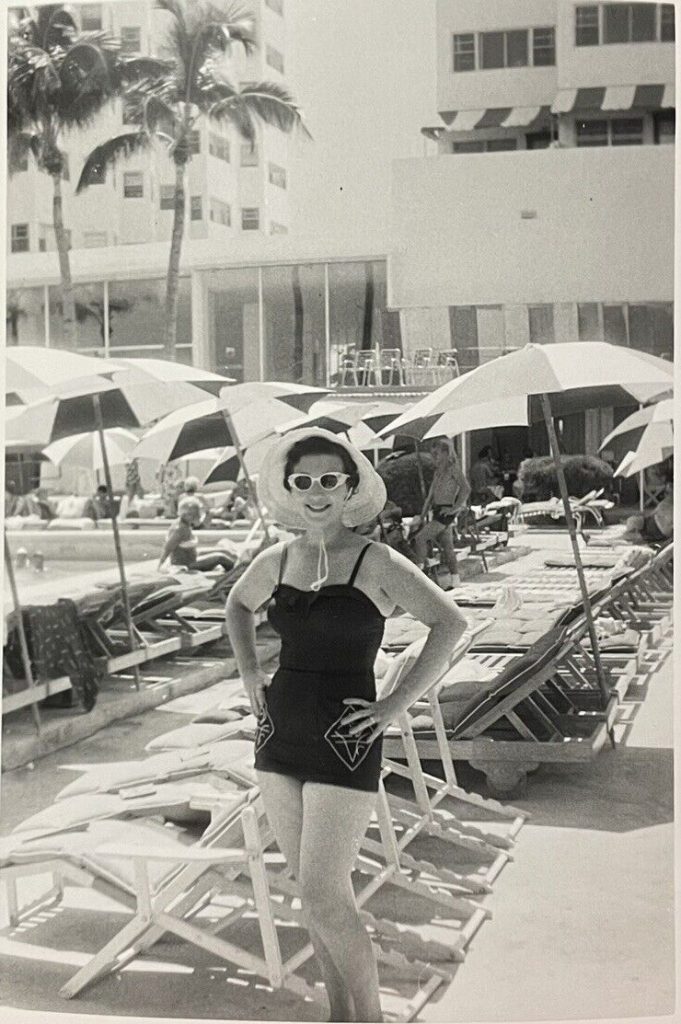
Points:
(134, 69)
(19, 145)
(54, 26)
(109, 153)
(267, 102)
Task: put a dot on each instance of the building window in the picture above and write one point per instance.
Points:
(615, 324)
(464, 52)
(541, 324)
(278, 229)
(167, 197)
(504, 49)
(665, 127)
(623, 23)
(94, 239)
(249, 155)
(538, 140)
(194, 141)
(276, 5)
(218, 147)
(626, 131)
(509, 49)
(486, 146)
(586, 26)
(588, 322)
(275, 59)
(220, 212)
(131, 39)
(20, 238)
(90, 17)
(667, 34)
(543, 47)
(250, 218)
(133, 185)
(20, 163)
(196, 208)
(628, 23)
(277, 175)
(468, 147)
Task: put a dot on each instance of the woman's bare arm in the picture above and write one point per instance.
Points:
(249, 593)
(405, 584)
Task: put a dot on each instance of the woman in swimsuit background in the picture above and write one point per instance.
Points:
(318, 748)
(447, 497)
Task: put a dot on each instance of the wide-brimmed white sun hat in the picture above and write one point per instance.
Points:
(363, 505)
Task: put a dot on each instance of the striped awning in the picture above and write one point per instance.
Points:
(494, 117)
(615, 97)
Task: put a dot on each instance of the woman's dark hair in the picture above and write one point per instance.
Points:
(320, 446)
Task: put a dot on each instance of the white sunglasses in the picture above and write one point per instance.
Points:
(328, 481)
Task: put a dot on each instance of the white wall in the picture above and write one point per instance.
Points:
(503, 87)
(609, 64)
(603, 229)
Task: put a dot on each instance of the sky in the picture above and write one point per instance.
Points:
(364, 73)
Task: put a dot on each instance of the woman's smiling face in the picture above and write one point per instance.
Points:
(318, 506)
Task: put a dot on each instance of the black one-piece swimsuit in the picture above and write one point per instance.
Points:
(329, 642)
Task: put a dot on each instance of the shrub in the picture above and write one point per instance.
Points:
(583, 473)
(401, 478)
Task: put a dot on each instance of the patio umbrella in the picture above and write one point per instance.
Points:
(656, 445)
(30, 367)
(86, 450)
(167, 371)
(241, 415)
(553, 380)
(633, 428)
(115, 397)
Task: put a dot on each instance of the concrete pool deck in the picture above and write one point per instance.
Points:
(583, 918)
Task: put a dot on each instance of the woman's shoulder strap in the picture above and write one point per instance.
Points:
(358, 563)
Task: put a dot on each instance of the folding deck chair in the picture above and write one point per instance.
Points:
(509, 726)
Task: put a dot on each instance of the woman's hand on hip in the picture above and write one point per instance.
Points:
(255, 684)
(373, 715)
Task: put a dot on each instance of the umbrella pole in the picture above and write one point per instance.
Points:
(23, 645)
(419, 469)
(641, 484)
(555, 451)
(249, 483)
(99, 424)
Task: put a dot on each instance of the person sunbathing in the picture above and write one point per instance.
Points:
(181, 546)
(654, 527)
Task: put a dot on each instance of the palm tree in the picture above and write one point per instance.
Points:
(59, 79)
(165, 110)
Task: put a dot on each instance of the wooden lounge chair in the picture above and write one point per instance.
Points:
(508, 727)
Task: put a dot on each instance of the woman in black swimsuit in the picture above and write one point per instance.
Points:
(318, 746)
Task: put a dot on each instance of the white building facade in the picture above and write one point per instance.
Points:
(545, 211)
(232, 188)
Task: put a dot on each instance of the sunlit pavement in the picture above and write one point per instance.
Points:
(582, 918)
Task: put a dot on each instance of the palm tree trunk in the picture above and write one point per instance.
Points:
(173, 278)
(367, 324)
(298, 324)
(68, 301)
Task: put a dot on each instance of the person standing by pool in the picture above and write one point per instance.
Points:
(181, 545)
(447, 497)
(318, 744)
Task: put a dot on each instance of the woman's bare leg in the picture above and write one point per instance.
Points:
(446, 539)
(283, 799)
(426, 534)
(334, 822)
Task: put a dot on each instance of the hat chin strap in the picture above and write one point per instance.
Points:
(322, 566)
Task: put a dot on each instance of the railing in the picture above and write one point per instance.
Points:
(425, 367)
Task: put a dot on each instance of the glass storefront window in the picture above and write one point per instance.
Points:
(357, 298)
(233, 318)
(136, 314)
(25, 316)
(294, 323)
(89, 299)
